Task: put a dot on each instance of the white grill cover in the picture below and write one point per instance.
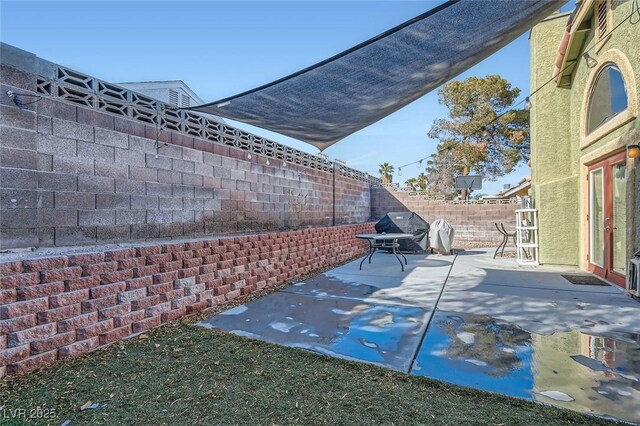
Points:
(441, 236)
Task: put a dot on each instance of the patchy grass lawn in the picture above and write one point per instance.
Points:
(182, 374)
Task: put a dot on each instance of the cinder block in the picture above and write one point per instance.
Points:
(15, 117)
(57, 217)
(158, 189)
(130, 186)
(113, 201)
(12, 137)
(45, 162)
(193, 204)
(74, 200)
(130, 217)
(69, 236)
(96, 184)
(18, 199)
(183, 216)
(192, 155)
(221, 172)
(183, 166)
(169, 176)
(48, 144)
(171, 230)
(111, 138)
(213, 205)
(203, 169)
(109, 169)
(96, 151)
(203, 192)
(142, 144)
(72, 130)
(58, 181)
(128, 126)
(145, 231)
(72, 165)
(191, 180)
(144, 202)
(156, 216)
(236, 174)
(18, 218)
(96, 217)
(18, 178)
(172, 150)
(18, 158)
(212, 159)
(170, 203)
(229, 184)
(182, 191)
(113, 234)
(161, 162)
(94, 118)
(54, 108)
(143, 173)
(130, 157)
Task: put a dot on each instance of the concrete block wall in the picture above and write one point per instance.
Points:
(473, 223)
(72, 175)
(59, 307)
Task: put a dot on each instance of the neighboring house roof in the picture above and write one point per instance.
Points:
(160, 90)
(523, 185)
(165, 84)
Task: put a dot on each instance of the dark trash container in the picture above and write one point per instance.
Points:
(406, 223)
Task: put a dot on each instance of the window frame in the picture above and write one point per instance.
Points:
(619, 60)
(603, 69)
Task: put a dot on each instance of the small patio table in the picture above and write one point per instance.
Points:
(384, 241)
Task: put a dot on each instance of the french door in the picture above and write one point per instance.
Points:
(607, 218)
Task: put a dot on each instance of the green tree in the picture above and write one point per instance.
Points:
(481, 133)
(412, 183)
(442, 169)
(386, 172)
(422, 181)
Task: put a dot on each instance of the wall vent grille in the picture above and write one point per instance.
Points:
(173, 97)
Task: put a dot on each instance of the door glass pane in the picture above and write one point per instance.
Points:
(619, 248)
(596, 218)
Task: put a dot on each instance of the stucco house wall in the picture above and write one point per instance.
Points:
(560, 151)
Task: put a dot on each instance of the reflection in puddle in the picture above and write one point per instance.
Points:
(587, 373)
(386, 335)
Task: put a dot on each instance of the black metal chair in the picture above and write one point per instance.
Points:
(505, 239)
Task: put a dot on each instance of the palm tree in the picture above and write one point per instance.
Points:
(386, 172)
(422, 181)
(412, 183)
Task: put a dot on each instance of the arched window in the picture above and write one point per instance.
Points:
(608, 97)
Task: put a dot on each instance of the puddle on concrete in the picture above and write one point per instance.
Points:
(386, 335)
(594, 374)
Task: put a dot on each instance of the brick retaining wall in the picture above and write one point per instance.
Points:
(59, 307)
(473, 223)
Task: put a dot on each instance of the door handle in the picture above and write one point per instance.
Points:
(607, 227)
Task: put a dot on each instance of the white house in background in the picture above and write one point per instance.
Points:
(172, 92)
(521, 189)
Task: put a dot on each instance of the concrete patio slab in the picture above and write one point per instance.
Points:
(491, 324)
(385, 335)
(537, 299)
(377, 315)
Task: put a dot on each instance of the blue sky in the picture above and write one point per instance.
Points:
(220, 48)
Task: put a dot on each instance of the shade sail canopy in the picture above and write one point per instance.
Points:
(328, 101)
